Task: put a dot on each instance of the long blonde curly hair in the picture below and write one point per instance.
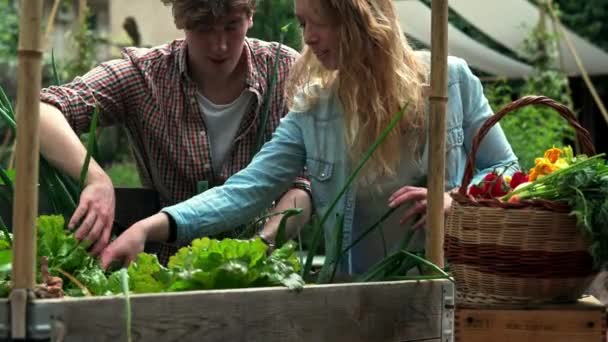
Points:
(378, 74)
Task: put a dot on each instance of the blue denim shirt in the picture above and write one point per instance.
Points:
(314, 139)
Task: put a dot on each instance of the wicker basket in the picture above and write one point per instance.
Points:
(517, 253)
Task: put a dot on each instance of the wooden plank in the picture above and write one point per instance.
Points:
(389, 311)
(577, 322)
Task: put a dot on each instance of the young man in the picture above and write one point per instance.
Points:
(192, 107)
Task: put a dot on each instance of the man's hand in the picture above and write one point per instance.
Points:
(419, 196)
(94, 215)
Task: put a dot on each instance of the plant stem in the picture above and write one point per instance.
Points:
(76, 282)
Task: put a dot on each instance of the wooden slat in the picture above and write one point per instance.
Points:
(584, 321)
(390, 311)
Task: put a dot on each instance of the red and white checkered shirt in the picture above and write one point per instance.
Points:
(150, 93)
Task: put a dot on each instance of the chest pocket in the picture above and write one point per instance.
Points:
(321, 175)
(455, 137)
(455, 157)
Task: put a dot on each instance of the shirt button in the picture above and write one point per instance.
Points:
(323, 175)
(207, 166)
(192, 100)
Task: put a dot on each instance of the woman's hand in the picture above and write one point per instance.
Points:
(419, 196)
(132, 241)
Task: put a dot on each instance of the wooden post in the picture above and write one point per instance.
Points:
(26, 187)
(437, 132)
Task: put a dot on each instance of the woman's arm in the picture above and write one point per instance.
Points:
(495, 151)
(240, 199)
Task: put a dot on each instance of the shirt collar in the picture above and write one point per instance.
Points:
(254, 79)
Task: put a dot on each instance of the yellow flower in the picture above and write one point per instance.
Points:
(542, 167)
(561, 163)
(553, 154)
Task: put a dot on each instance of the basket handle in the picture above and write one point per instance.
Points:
(582, 134)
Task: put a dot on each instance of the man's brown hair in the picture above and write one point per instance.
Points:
(188, 14)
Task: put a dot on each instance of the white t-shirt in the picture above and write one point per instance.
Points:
(222, 123)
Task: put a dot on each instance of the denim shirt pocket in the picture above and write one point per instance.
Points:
(455, 156)
(321, 174)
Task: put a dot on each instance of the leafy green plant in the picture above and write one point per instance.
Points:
(215, 264)
(68, 258)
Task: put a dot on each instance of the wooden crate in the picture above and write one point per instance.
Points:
(403, 311)
(584, 321)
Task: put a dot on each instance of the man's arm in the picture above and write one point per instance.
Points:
(60, 145)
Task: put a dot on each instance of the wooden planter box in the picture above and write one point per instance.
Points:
(401, 311)
(584, 321)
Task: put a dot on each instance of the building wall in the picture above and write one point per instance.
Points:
(154, 20)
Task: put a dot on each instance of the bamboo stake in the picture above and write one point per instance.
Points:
(26, 189)
(437, 131)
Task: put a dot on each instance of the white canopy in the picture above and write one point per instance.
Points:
(415, 20)
(508, 22)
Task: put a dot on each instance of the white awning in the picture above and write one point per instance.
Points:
(415, 20)
(510, 21)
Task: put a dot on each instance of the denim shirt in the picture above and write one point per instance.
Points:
(315, 140)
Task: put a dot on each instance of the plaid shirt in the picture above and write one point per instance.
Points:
(150, 93)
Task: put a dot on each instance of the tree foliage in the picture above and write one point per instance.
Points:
(9, 30)
(270, 17)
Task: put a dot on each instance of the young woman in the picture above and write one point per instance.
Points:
(356, 72)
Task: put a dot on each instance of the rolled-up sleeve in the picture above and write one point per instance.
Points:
(109, 86)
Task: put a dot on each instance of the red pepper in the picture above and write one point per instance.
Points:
(518, 178)
(492, 186)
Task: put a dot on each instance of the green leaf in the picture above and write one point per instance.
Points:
(147, 275)
(51, 236)
(333, 253)
(229, 263)
(281, 236)
(5, 288)
(261, 135)
(56, 190)
(317, 234)
(368, 154)
(56, 79)
(6, 106)
(428, 264)
(94, 279)
(6, 259)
